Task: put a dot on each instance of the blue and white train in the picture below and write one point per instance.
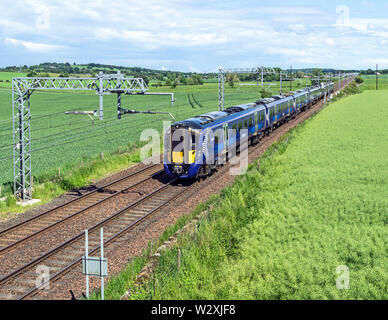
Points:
(195, 147)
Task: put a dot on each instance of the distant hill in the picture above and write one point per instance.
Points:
(94, 68)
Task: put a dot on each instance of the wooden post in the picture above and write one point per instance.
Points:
(151, 249)
(0, 191)
(59, 172)
(179, 260)
(154, 285)
(102, 155)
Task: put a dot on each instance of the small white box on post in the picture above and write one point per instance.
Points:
(95, 266)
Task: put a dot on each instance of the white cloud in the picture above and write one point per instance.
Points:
(181, 33)
(192, 69)
(33, 46)
(297, 27)
(368, 4)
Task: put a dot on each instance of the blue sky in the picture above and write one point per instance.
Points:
(196, 35)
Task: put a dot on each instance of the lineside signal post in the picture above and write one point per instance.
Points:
(95, 266)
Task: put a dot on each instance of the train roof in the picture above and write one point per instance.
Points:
(278, 97)
(213, 115)
(265, 101)
(240, 107)
(198, 122)
(194, 123)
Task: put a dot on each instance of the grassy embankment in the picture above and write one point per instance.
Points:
(314, 201)
(73, 142)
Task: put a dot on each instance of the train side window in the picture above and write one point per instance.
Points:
(251, 122)
(245, 124)
(234, 127)
(240, 126)
(216, 139)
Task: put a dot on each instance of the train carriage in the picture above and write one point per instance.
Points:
(196, 146)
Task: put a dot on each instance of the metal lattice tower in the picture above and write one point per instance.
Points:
(22, 88)
(21, 141)
(222, 72)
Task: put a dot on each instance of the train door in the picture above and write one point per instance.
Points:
(296, 101)
(226, 137)
(256, 122)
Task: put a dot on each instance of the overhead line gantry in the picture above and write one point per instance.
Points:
(22, 89)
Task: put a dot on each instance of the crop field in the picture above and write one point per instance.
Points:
(314, 204)
(6, 78)
(370, 82)
(65, 140)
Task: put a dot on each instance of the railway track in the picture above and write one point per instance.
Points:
(66, 257)
(24, 231)
(21, 283)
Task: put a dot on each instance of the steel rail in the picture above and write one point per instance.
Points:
(77, 213)
(83, 197)
(69, 267)
(30, 264)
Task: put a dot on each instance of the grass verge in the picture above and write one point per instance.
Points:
(53, 183)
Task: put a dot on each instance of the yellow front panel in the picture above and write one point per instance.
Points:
(177, 157)
(192, 156)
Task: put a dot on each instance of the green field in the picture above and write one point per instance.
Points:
(315, 201)
(6, 79)
(370, 82)
(64, 140)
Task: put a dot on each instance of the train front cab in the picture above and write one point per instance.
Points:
(180, 151)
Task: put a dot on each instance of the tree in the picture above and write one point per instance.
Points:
(359, 80)
(168, 82)
(190, 81)
(174, 84)
(265, 92)
(146, 79)
(197, 79)
(315, 76)
(183, 80)
(32, 74)
(232, 78)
